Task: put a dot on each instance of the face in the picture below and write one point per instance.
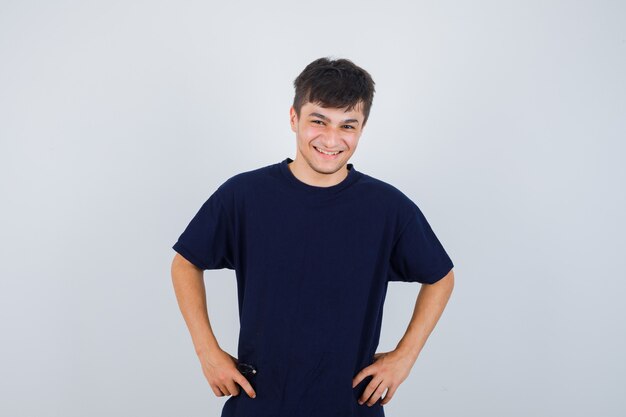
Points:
(323, 129)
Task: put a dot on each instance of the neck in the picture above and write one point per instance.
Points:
(303, 172)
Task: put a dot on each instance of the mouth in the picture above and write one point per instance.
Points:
(326, 154)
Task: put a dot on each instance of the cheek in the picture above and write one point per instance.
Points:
(310, 132)
(352, 140)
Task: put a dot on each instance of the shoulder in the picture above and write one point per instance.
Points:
(387, 194)
(238, 184)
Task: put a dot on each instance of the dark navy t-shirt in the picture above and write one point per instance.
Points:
(312, 267)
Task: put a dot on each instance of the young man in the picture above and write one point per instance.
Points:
(313, 243)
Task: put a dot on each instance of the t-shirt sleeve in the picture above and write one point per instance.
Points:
(418, 255)
(208, 241)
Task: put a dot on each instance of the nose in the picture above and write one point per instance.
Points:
(332, 138)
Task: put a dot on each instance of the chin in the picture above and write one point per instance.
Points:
(329, 168)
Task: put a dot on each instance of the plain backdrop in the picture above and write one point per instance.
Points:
(504, 121)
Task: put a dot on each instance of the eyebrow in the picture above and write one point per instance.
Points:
(321, 116)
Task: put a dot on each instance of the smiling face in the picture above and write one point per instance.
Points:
(326, 139)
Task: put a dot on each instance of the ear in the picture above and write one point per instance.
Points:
(293, 118)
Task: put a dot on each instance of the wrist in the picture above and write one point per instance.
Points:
(207, 350)
(411, 351)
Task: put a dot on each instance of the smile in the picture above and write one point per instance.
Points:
(327, 153)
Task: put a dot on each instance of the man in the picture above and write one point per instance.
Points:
(313, 243)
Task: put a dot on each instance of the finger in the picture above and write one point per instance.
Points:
(245, 384)
(217, 391)
(365, 372)
(232, 387)
(224, 389)
(369, 389)
(389, 395)
(377, 394)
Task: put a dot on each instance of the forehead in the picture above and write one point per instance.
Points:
(334, 113)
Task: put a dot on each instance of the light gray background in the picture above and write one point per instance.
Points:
(503, 121)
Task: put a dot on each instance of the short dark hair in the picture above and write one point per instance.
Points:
(337, 83)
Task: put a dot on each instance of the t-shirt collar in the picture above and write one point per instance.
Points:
(353, 175)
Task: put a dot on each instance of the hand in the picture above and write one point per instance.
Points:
(389, 370)
(220, 370)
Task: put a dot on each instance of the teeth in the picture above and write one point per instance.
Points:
(327, 153)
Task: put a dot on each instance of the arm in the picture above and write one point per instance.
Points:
(191, 296)
(429, 306)
(390, 369)
(218, 366)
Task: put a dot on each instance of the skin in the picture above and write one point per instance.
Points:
(390, 369)
(330, 129)
(325, 128)
(218, 366)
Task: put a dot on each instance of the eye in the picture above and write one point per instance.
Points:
(350, 126)
(315, 121)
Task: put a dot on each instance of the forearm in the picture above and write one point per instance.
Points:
(430, 303)
(190, 292)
